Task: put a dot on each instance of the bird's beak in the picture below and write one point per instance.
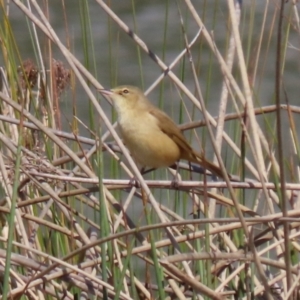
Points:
(105, 92)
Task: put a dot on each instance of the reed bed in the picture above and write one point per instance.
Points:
(79, 221)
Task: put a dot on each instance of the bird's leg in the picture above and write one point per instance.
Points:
(176, 179)
(134, 182)
(144, 171)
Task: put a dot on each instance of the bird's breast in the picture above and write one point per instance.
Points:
(149, 146)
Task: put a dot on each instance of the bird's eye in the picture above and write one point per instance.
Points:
(125, 91)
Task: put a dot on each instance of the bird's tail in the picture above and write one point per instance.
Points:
(212, 168)
(206, 164)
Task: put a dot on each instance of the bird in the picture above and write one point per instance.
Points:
(151, 136)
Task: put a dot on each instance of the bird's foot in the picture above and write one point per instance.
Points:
(134, 182)
(175, 182)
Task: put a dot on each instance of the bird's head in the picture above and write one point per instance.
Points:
(124, 95)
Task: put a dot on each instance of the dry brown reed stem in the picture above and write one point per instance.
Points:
(45, 182)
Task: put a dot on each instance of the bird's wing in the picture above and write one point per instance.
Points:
(187, 152)
(168, 127)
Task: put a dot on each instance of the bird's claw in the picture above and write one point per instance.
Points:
(175, 182)
(134, 182)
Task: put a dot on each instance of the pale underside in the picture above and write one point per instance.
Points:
(148, 150)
